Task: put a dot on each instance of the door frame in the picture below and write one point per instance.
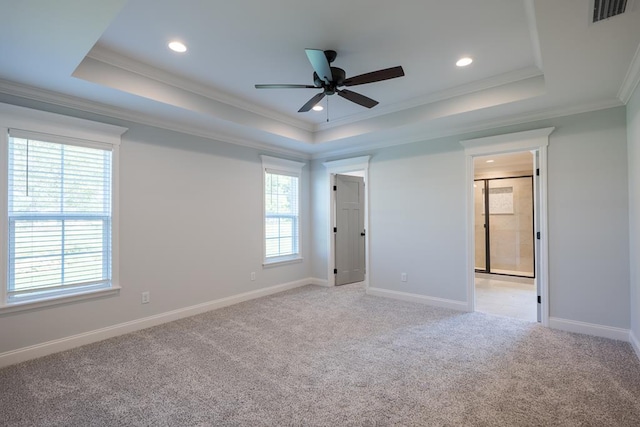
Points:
(536, 140)
(355, 164)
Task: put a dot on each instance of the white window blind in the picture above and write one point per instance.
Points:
(281, 209)
(281, 214)
(59, 216)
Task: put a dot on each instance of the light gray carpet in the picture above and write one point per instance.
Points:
(331, 357)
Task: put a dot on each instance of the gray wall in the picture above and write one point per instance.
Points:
(588, 219)
(191, 224)
(191, 232)
(319, 220)
(417, 217)
(633, 141)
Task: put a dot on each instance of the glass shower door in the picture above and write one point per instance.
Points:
(504, 227)
(480, 231)
(511, 226)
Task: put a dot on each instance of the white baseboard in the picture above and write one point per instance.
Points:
(320, 282)
(589, 329)
(422, 299)
(635, 343)
(55, 346)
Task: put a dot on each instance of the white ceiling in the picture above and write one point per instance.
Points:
(503, 165)
(532, 59)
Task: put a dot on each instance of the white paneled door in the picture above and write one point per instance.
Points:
(349, 231)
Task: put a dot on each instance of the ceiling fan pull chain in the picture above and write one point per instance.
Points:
(327, 109)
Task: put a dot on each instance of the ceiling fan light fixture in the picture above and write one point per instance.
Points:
(463, 62)
(318, 107)
(177, 46)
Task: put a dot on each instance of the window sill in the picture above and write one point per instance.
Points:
(58, 300)
(281, 261)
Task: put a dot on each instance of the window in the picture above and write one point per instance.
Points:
(58, 216)
(281, 215)
(281, 209)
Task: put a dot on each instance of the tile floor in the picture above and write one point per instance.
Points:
(506, 296)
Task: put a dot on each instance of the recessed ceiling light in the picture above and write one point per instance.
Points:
(318, 108)
(463, 62)
(490, 161)
(177, 47)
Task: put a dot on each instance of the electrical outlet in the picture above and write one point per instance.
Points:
(403, 277)
(253, 275)
(145, 297)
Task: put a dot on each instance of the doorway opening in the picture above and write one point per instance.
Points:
(508, 276)
(347, 238)
(504, 220)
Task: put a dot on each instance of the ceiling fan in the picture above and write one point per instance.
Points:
(331, 79)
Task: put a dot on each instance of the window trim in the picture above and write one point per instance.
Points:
(285, 167)
(68, 130)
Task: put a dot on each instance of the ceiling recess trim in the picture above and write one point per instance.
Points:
(477, 86)
(109, 57)
(631, 80)
(530, 10)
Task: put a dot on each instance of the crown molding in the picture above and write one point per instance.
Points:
(107, 56)
(466, 89)
(538, 115)
(54, 98)
(631, 79)
(471, 128)
(66, 101)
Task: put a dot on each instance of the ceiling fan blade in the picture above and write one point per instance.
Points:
(375, 76)
(286, 86)
(313, 101)
(320, 64)
(357, 98)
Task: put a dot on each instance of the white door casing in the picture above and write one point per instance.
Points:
(536, 242)
(535, 140)
(344, 166)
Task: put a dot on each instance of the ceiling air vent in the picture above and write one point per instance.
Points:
(605, 9)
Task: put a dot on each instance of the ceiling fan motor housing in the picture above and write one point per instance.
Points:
(338, 75)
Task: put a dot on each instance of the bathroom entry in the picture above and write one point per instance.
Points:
(504, 225)
(505, 244)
